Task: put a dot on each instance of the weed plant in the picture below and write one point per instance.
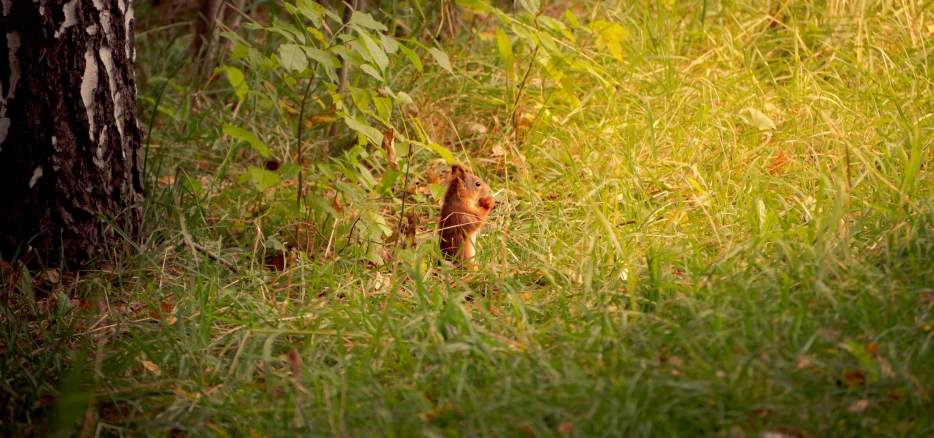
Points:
(713, 219)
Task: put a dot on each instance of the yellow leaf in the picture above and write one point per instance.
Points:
(153, 368)
(612, 35)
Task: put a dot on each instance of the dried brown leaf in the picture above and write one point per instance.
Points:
(295, 363)
(389, 145)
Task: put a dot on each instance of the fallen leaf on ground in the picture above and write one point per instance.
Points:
(859, 407)
(779, 163)
(50, 276)
(566, 428)
(476, 129)
(855, 378)
(153, 368)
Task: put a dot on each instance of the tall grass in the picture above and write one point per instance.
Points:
(733, 237)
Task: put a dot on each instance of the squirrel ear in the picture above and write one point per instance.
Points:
(458, 172)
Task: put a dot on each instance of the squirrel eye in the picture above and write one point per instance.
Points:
(478, 183)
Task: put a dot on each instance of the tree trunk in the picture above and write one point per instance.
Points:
(69, 141)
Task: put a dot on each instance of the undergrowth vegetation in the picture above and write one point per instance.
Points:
(713, 218)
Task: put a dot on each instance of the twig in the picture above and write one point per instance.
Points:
(408, 168)
(211, 254)
(515, 105)
(301, 124)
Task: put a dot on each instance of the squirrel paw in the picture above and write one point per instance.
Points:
(487, 203)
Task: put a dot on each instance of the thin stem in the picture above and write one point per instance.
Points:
(301, 124)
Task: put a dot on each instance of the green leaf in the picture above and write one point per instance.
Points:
(390, 177)
(235, 77)
(437, 191)
(366, 176)
(440, 150)
(442, 59)
(504, 46)
(168, 112)
(864, 358)
(415, 42)
(262, 178)
(368, 69)
(505, 50)
(403, 97)
(318, 36)
(239, 52)
(247, 136)
(351, 56)
(292, 57)
(473, 4)
(372, 133)
(257, 61)
(357, 45)
(360, 97)
(413, 57)
(320, 204)
(383, 106)
(192, 185)
(266, 104)
(556, 67)
(373, 256)
(380, 222)
(328, 62)
(291, 33)
(572, 18)
(389, 43)
(365, 20)
(333, 16)
(548, 43)
(289, 170)
(311, 10)
(379, 56)
(531, 6)
(321, 56)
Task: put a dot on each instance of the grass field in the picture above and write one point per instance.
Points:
(725, 229)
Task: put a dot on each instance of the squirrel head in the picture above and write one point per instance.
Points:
(469, 186)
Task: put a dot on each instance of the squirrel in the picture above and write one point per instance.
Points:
(467, 203)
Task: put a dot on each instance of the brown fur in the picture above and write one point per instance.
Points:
(467, 203)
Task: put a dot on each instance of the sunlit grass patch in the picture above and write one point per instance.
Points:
(717, 223)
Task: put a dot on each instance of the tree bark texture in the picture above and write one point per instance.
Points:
(69, 141)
